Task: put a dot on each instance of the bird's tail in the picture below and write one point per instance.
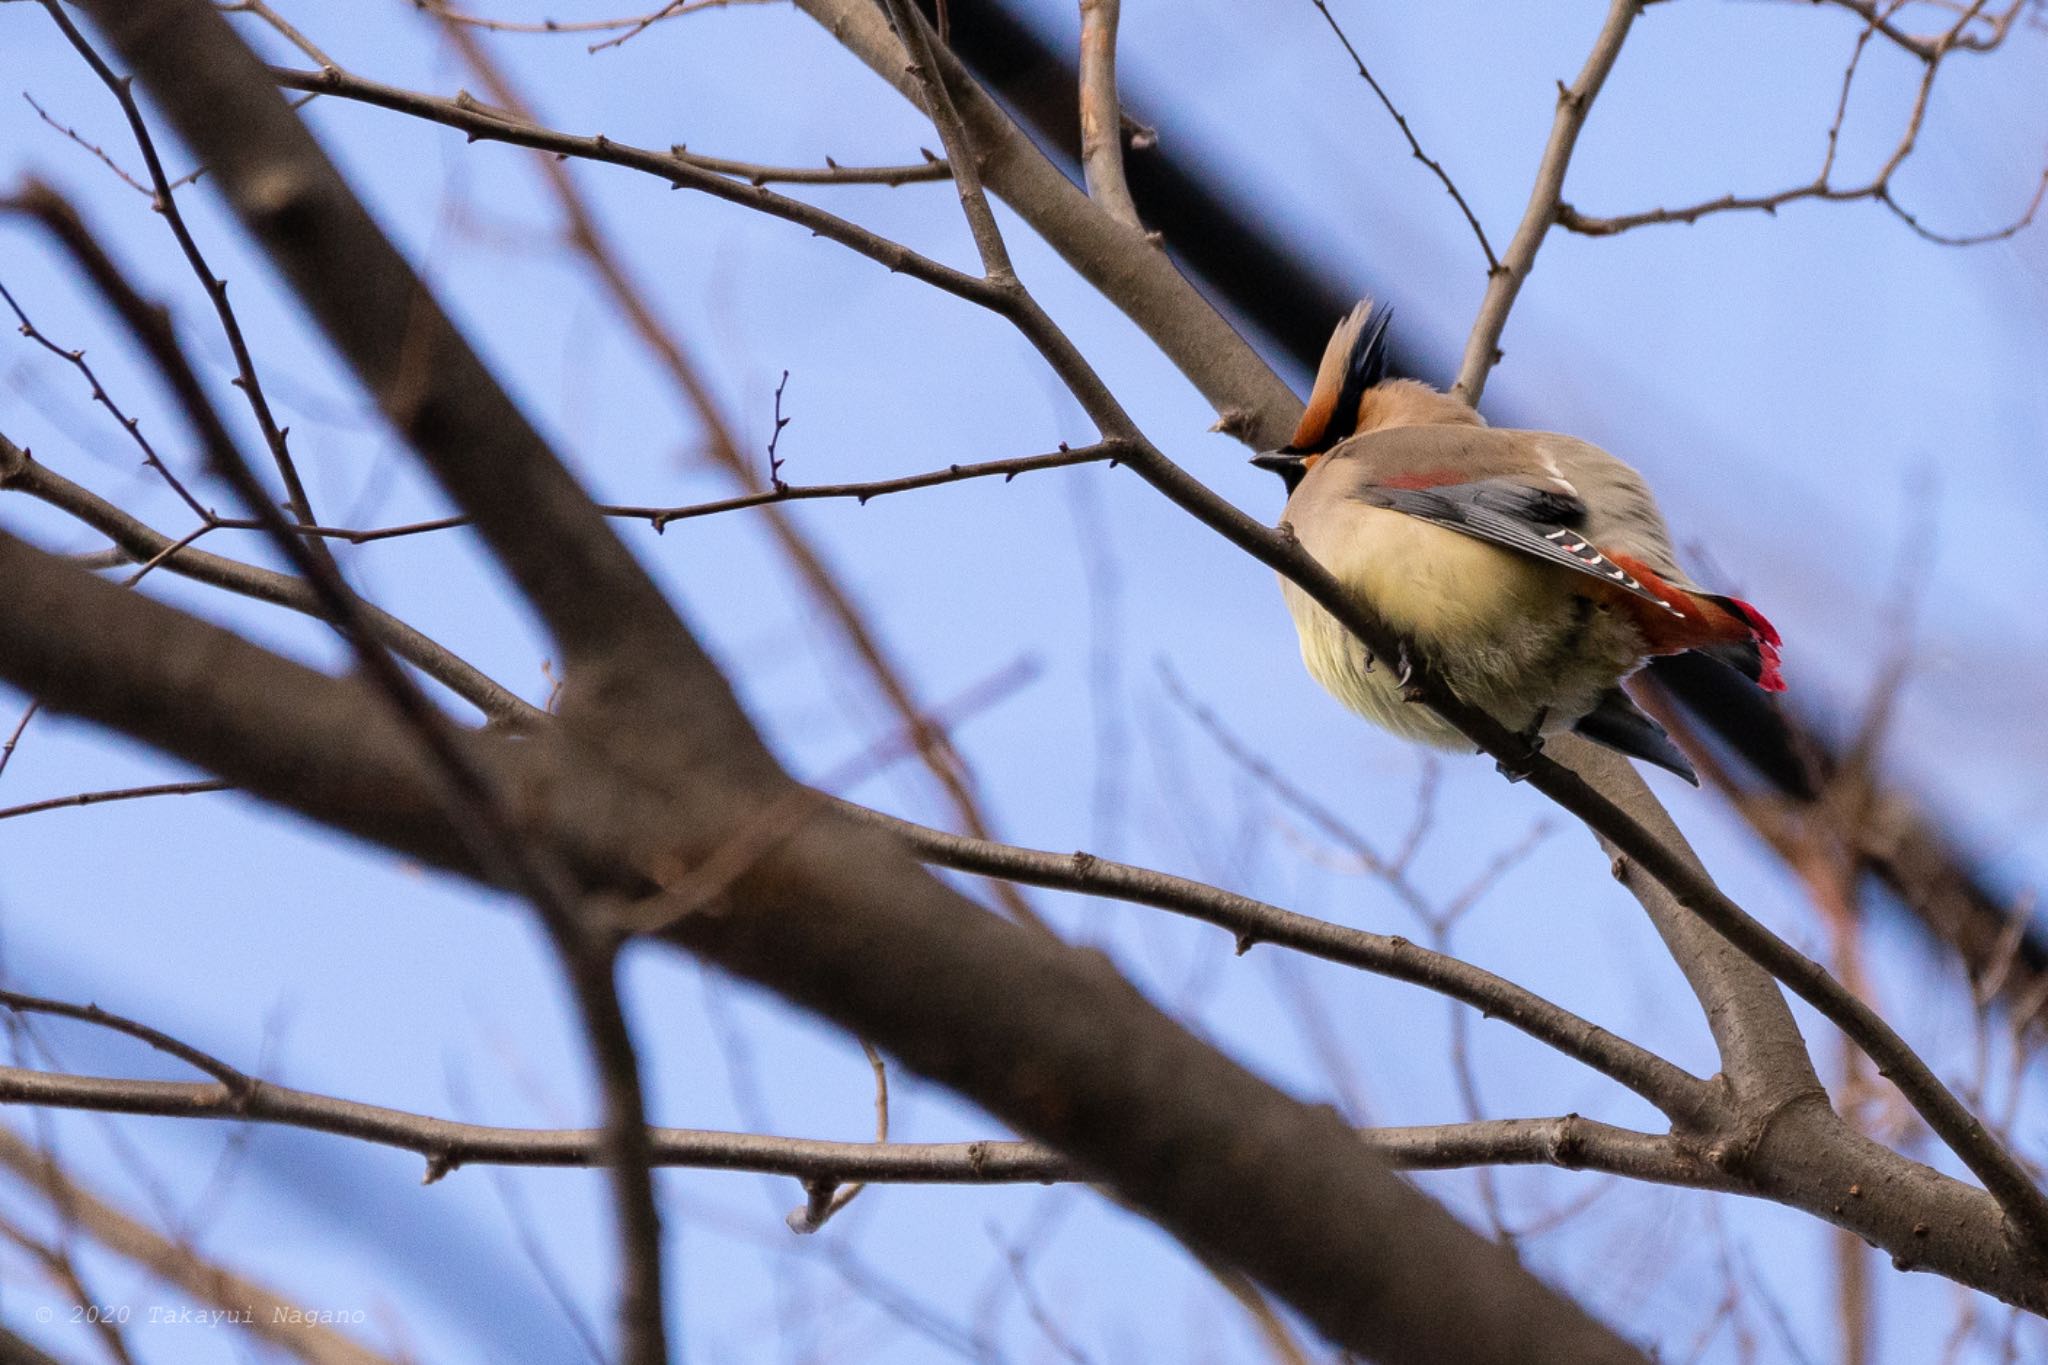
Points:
(1752, 649)
(1354, 361)
(1617, 723)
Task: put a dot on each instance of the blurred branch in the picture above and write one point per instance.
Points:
(246, 1303)
(469, 801)
(1574, 102)
(62, 1268)
(1881, 15)
(143, 544)
(945, 763)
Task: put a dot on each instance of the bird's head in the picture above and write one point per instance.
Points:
(1353, 363)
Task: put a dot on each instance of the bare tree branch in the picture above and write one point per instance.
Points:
(1569, 1142)
(1822, 187)
(1685, 1098)
(1102, 120)
(1574, 102)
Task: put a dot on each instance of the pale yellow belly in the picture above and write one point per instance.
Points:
(1510, 634)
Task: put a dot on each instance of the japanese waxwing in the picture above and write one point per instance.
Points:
(1532, 571)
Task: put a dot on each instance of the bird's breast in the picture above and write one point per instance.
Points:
(1509, 633)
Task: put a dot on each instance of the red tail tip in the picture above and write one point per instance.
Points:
(1767, 642)
(1758, 622)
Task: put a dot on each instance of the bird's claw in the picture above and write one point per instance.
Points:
(1404, 674)
(1531, 737)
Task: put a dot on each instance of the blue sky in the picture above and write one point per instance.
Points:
(1829, 407)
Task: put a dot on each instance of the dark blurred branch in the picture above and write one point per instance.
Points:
(143, 544)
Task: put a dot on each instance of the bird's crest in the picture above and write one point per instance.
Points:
(1353, 362)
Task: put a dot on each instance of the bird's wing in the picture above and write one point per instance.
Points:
(1540, 522)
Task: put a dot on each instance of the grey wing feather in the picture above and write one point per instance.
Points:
(1535, 521)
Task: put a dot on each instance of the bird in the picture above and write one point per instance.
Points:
(1531, 571)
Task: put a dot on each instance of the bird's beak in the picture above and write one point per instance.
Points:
(1291, 466)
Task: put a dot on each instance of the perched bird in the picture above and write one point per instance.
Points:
(1531, 571)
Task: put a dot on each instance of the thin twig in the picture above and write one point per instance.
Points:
(95, 798)
(1482, 348)
(166, 202)
(131, 425)
(633, 26)
(981, 220)
(1878, 188)
(101, 154)
(661, 517)
(237, 1084)
(1414, 146)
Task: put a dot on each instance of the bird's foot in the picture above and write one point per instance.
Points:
(1531, 738)
(1404, 674)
